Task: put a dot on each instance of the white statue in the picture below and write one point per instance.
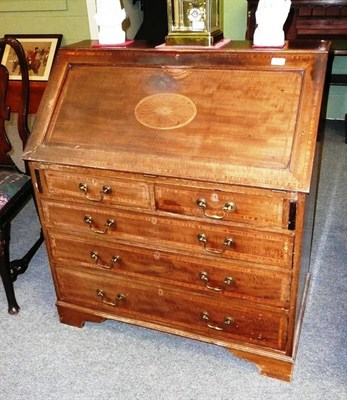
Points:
(270, 18)
(110, 16)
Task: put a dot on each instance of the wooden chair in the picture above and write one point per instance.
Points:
(15, 185)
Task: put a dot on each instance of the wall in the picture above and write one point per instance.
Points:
(235, 15)
(70, 17)
(337, 100)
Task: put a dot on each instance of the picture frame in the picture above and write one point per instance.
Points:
(40, 52)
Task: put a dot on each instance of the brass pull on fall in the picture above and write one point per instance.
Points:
(228, 242)
(205, 316)
(228, 208)
(94, 255)
(104, 190)
(120, 297)
(110, 223)
(227, 281)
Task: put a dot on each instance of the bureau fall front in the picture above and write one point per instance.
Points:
(176, 190)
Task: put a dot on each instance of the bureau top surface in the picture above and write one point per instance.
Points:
(232, 115)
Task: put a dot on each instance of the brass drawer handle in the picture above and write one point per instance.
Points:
(228, 242)
(104, 190)
(205, 316)
(110, 223)
(228, 208)
(227, 281)
(120, 297)
(95, 256)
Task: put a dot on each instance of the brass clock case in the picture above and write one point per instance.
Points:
(194, 22)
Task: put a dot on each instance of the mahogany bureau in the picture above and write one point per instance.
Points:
(172, 186)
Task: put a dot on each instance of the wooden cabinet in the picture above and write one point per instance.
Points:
(173, 186)
(36, 93)
(321, 19)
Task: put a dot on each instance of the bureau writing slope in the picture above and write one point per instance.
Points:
(173, 188)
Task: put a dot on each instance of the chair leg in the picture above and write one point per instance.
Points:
(18, 267)
(13, 307)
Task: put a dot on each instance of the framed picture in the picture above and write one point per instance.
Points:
(40, 51)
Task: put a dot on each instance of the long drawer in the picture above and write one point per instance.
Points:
(205, 239)
(220, 279)
(164, 305)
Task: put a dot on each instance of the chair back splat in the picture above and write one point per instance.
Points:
(15, 186)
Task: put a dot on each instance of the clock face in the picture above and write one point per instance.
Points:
(195, 14)
(196, 17)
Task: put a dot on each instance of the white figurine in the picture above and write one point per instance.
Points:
(110, 16)
(270, 18)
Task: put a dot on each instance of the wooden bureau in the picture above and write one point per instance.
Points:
(172, 186)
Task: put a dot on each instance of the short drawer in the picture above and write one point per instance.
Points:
(164, 305)
(219, 279)
(252, 206)
(201, 239)
(93, 186)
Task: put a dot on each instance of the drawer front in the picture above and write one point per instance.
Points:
(247, 207)
(221, 279)
(97, 187)
(212, 240)
(166, 306)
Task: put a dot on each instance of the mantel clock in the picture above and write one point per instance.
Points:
(193, 22)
